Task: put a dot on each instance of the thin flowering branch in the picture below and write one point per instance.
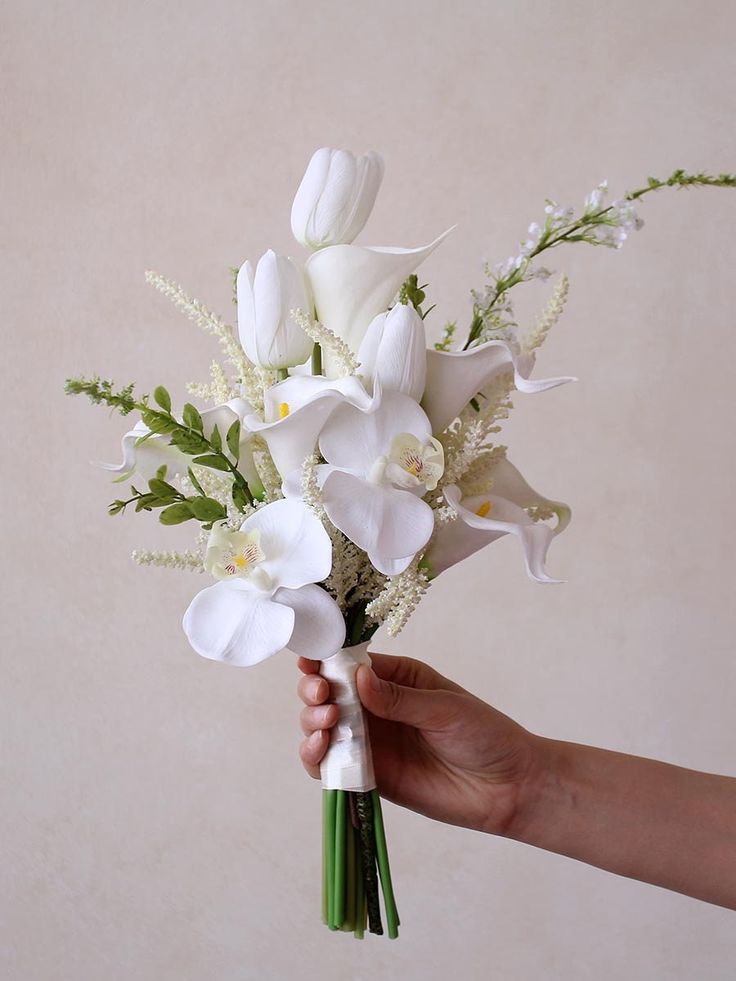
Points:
(219, 391)
(270, 477)
(344, 360)
(470, 438)
(608, 225)
(247, 373)
(399, 598)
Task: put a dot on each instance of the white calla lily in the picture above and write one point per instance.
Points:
(335, 197)
(295, 411)
(265, 599)
(455, 377)
(267, 297)
(484, 518)
(394, 350)
(379, 464)
(145, 452)
(351, 284)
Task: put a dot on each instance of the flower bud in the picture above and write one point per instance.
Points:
(394, 350)
(335, 197)
(266, 300)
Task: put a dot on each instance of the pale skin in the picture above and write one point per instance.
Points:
(445, 753)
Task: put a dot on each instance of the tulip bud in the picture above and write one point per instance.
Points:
(335, 197)
(394, 350)
(266, 299)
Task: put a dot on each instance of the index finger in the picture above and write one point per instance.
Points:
(411, 673)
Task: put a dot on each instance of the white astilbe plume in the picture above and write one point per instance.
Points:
(270, 477)
(219, 391)
(469, 439)
(247, 373)
(343, 359)
(188, 560)
(399, 598)
(536, 336)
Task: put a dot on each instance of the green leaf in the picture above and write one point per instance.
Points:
(161, 489)
(161, 472)
(158, 423)
(216, 439)
(162, 398)
(206, 508)
(195, 483)
(233, 439)
(192, 418)
(212, 461)
(189, 442)
(240, 499)
(176, 514)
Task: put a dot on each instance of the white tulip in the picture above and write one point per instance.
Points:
(267, 297)
(335, 197)
(394, 350)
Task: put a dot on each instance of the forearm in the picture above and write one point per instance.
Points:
(639, 818)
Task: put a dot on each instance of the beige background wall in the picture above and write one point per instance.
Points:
(156, 823)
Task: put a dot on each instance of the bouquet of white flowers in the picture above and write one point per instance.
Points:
(343, 464)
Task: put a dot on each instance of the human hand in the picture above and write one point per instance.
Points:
(437, 749)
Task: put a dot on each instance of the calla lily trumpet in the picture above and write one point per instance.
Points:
(265, 599)
(511, 508)
(335, 197)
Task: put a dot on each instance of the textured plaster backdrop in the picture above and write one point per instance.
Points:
(156, 823)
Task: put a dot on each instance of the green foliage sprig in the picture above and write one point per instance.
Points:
(187, 436)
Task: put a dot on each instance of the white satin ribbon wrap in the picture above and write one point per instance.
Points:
(348, 763)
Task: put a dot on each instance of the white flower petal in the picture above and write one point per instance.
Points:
(504, 518)
(354, 439)
(229, 622)
(308, 402)
(144, 456)
(394, 350)
(319, 626)
(455, 377)
(384, 521)
(351, 284)
(296, 546)
(509, 483)
(390, 567)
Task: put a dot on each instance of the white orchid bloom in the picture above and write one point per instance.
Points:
(145, 452)
(335, 197)
(380, 463)
(266, 599)
(484, 518)
(394, 350)
(352, 284)
(455, 377)
(267, 298)
(295, 411)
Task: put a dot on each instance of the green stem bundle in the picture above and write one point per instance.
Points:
(354, 861)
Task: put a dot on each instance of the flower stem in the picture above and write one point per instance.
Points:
(392, 915)
(317, 360)
(330, 805)
(341, 818)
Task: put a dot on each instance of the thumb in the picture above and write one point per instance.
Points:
(418, 707)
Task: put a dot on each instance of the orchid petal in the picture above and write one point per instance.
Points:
(384, 521)
(296, 547)
(351, 284)
(355, 439)
(319, 626)
(455, 377)
(233, 623)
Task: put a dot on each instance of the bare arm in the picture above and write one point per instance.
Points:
(636, 817)
(445, 753)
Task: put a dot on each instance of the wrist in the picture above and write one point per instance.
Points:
(542, 794)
